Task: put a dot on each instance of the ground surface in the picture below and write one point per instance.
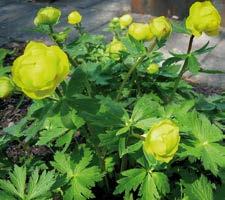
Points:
(16, 23)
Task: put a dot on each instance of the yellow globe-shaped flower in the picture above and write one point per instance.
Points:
(6, 87)
(153, 68)
(40, 69)
(125, 20)
(47, 16)
(140, 31)
(114, 48)
(74, 18)
(203, 17)
(160, 27)
(162, 140)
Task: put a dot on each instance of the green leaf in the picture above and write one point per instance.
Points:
(152, 186)
(6, 196)
(39, 186)
(76, 83)
(123, 130)
(204, 49)
(3, 54)
(193, 64)
(69, 117)
(211, 71)
(62, 163)
(81, 177)
(4, 70)
(148, 190)
(125, 149)
(108, 139)
(145, 124)
(146, 107)
(204, 142)
(170, 71)
(162, 183)
(109, 164)
(53, 128)
(133, 47)
(131, 180)
(179, 27)
(16, 185)
(200, 189)
(110, 114)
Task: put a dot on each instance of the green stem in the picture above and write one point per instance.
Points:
(138, 136)
(139, 61)
(52, 99)
(183, 69)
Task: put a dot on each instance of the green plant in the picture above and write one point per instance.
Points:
(96, 105)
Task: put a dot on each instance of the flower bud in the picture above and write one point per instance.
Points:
(115, 20)
(125, 20)
(47, 16)
(203, 17)
(61, 36)
(74, 18)
(6, 87)
(160, 27)
(114, 48)
(40, 70)
(153, 68)
(140, 31)
(162, 140)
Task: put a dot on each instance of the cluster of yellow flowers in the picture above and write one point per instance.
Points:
(159, 27)
(51, 15)
(42, 68)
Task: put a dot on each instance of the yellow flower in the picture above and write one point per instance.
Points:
(162, 140)
(114, 48)
(160, 27)
(40, 69)
(125, 20)
(6, 87)
(140, 31)
(47, 16)
(153, 68)
(203, 17)
(74, 18)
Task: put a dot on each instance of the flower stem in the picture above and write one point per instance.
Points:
(138, 136)
(183, 69)
(139, 61)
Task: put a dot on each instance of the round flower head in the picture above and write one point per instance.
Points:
(47, 16)
(125, 20)
(140, 31)
(203, 17)
(153, 68)
(74, 18)
(160, 27)
(40, 70)
(6, 87)
(114, 48)
(162, 140)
